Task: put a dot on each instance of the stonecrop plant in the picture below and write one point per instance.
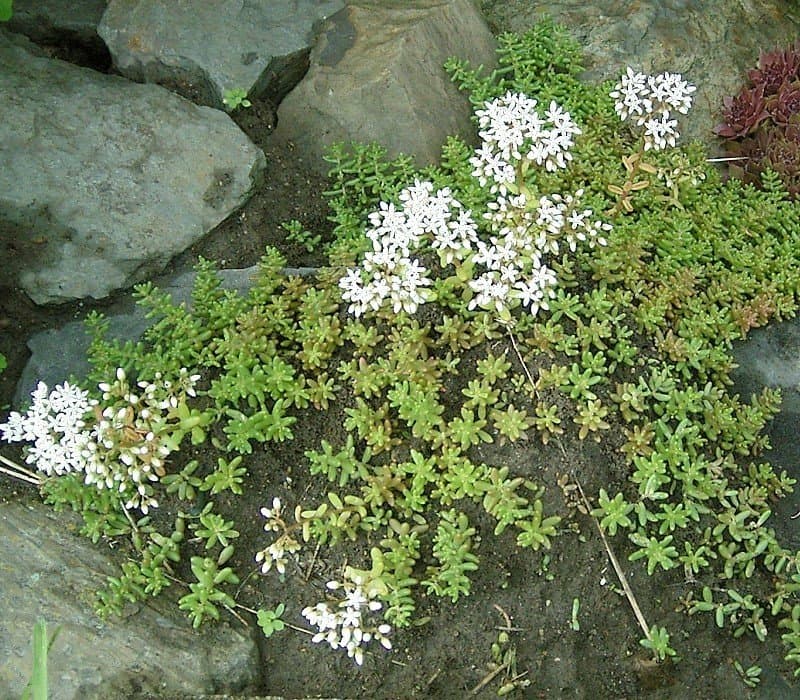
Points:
(580, 275)
(119, 442)
(344, 626)
(649, 100)
(510, 267)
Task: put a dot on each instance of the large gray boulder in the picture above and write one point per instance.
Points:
(376, 75)
(206, 48)
(46, 571)
(103, 181)
(712, 43)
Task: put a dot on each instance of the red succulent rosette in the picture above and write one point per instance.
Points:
(775, 68)
(783, 156)
(742, 113)
(773, 148)
(785, 104)
(762, 122)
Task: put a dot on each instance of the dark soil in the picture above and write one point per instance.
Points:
(449, 656)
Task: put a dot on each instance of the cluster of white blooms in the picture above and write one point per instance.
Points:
(564, 219)
(650, 99)
(511, 131)
(133, 435)
(512, 259)
(344, 626)
(119, 443)
(522, 232)
(389, 271)
(522, 235)
(55, 424)
(276, 553)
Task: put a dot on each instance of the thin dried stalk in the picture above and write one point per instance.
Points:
(637, 611)
(20, 473)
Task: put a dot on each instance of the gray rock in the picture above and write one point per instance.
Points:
(771, 357)
(103, 181)
(46, 571)
(376, 75)
(712, 43)
(51, 364)
(59, 21)
(206, 48)
(23, 42)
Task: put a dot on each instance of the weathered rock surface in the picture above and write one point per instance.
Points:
(261, 46)
(376, 75)
(711, 42)
(771, 357)
(46, 571)
(103, 181)
(59, 21)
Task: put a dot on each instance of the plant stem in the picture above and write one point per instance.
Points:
(522, 361)
(19, 472)
(637, 611)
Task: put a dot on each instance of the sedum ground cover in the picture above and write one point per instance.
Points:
(510, 380)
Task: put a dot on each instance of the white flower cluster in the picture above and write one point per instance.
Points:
(522, 231)
(55, 424)
(511, 131)
(276, 553)
(120, 443)
(388, 271)
(133, 435)
(564, 219)
(515, 267)
(344, 626)
(650, 100)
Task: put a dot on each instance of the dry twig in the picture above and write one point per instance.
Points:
(637, 611)
(19, 472)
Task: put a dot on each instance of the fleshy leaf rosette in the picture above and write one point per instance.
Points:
(775, 149)
(743, 113)
(775, 68)
(762, 122)
(785, 104)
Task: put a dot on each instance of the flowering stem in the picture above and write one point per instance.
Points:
(231, 610)
(19, 472)
(288, 624)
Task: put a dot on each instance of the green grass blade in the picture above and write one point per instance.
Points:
(38, 684)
